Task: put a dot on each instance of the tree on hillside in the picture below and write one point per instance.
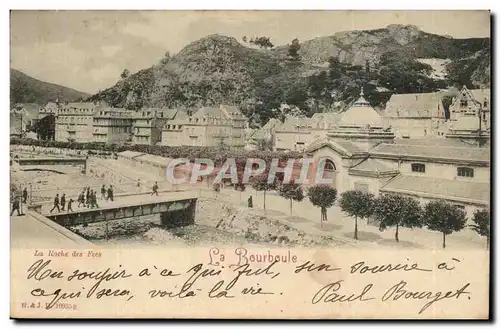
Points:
(397, 210)
(292, 192)
(125, 74)
(322, 196)
(262, 42)
(259, 183)
(166, 58)
(444, 217)
(293, 49)
(358, 204)
(244, 39)
(481, 224)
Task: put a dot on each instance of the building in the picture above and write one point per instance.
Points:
(296, 133)
(415, 115)
(209, 126)
(74, 121)
(360, 153)
(148, 123)
(472, 103)
(24, 117)
(112, 125)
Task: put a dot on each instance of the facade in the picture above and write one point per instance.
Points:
(415, 115)
(366, 156)
(24, 117)
(209, 126)
(73, 122)
(112, 126)
(473, 103)
(295, 134)
(148, 123)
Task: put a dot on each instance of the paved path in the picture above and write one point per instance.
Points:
(28, 232)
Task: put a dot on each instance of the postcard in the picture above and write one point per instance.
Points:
(250, 164)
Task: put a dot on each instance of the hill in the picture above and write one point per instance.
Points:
(218, 69)
(25, 89)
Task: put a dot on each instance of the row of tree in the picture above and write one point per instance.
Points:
(390, 210)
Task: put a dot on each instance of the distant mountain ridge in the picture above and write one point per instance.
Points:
(26, 89)
(221, 70)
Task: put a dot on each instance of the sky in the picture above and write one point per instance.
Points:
(88, 50)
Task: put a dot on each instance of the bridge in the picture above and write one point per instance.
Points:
(175, 209)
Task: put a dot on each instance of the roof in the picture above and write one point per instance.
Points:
(372, 165)
(455, 190)
(271, 123)
(468, 154)
(343, 147)
(413, 105)
(80, 105)
(431, 142)
(28, 106)
(361, 114)
(291, 123)
(231, 110)
(209, 111)
(154, 159)
(155, 112)
(130, 154)
(480, 94)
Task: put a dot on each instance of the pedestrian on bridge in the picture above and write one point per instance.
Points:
(15, 206)
(110, 193)
(63, 201)
(93, 199)
(81, 199)
(103, 192)
(87, 197)
(56, 204)
(155, 189)
(25, 195)
(70, 202)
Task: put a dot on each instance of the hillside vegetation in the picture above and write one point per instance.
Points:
(317, 74)
(25, 89)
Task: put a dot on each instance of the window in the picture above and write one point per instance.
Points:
(463, 103)
(465, 172)
(485, 103)
(418, 167)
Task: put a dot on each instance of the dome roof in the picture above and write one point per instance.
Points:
(361, 114)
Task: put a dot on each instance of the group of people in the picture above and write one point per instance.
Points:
(60, 203)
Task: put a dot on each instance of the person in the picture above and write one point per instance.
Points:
(155, 189)
(139, 184)
(63, 201)
(87, 197)
(69, 205)
(110, 192)
(103, 192)
(15, 206)
(93, 199)
(250, 202)
(25, 195)
(81, 199)
(56, 204)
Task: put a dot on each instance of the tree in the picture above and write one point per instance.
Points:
(397, 210)
(259, 183)
(322, 196)
(244, 39)
(444, 217)
(166, 58)
(293, 49)
(358, 204)
(292, 192)
(481, 224)
(263, 42)
(125, 74)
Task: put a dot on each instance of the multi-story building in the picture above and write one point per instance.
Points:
(73, 122)
(472, 103)
(112, 125)
(415, 115)
(209, 126)
(148, 123)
